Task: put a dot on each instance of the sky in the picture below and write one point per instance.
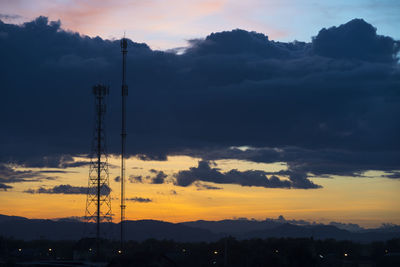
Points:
(244, 121)
(170, 24)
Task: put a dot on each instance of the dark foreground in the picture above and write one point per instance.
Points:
(225, 252)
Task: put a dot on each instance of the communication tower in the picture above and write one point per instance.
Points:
(124, 46)
(98, 201)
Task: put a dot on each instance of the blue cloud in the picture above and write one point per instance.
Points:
(335, 96)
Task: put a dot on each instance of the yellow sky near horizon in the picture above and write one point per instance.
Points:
(368, 201)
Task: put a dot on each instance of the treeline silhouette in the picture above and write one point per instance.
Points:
(225, 252)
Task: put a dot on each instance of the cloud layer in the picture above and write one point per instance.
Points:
(140, 199)
(204, 172)
(9, 175)
(68, 190)
(326, 107)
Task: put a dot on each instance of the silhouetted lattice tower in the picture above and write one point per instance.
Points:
(98, 201)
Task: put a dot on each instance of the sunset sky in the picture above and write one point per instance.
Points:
(295, 114)
(169, 24)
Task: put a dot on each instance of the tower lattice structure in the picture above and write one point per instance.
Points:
(98, 201)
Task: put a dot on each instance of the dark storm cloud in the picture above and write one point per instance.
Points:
(204, 172)
(156, 177)
(59, 189)
(135, 179)
(49, 161)
(140, 199)
(203, 186)
(5, 187)
(8, 174)
(159, 178)
(320, 162)
(55, 71)
(76, 164)
(67, 189)
(55, 171)
(330, 106)
(243, 42)
(355, 40)
(160, 157)
(394, 175)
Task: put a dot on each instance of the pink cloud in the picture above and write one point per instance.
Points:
(162, 24)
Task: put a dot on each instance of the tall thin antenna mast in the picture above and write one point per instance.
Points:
(124, 45)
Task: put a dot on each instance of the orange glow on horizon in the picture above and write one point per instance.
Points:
(343, 199)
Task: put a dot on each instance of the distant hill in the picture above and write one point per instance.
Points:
(33, 229)
(247, 229)
(4, 218)
(233, 227)
(145, 229)
(289, 230)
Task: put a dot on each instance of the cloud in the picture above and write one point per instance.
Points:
(140, 199)
(135, 178)
(393, 175)
(203, 172)
(61, 161)
(322, 110)
(320, 162)
(149, 157)
(241, 42)
(9, 174)
(159, 178)
(68, 190)
(9, 16)
(355, 40)
(76, 164)
(5, 187)
(203, 186)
